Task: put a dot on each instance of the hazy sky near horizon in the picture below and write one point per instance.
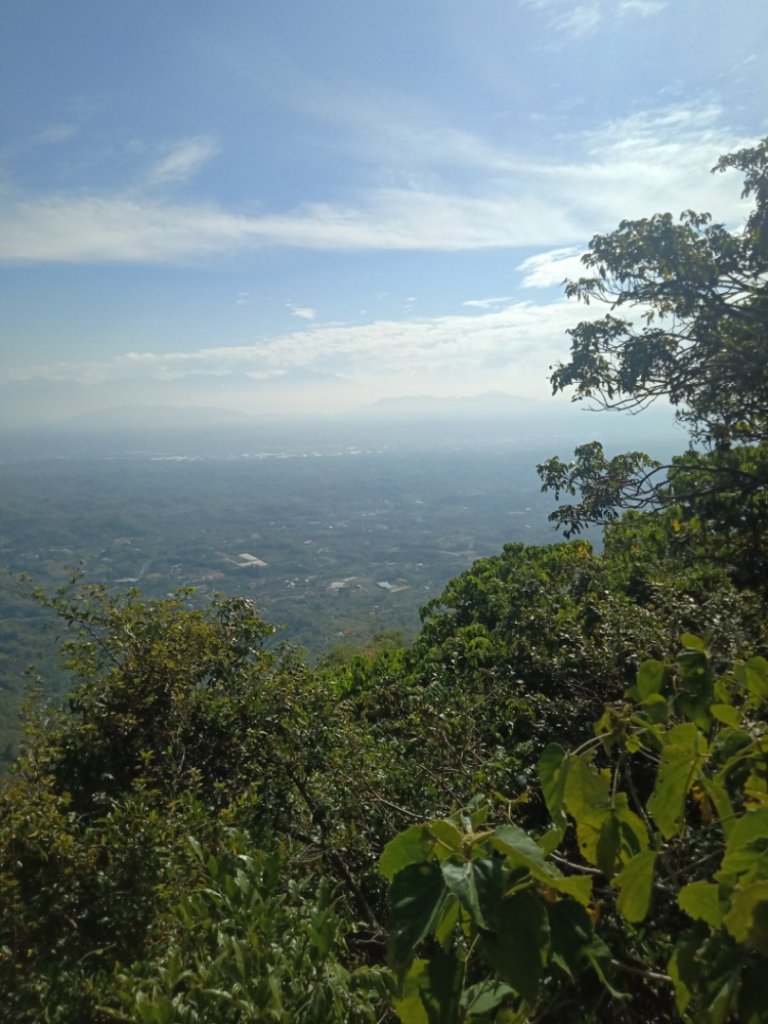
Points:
(310, 206)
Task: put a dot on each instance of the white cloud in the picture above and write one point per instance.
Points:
(516, 344)
(488, 303)
(184, 159)
(645, 8)
(628, 168)
(546, 269)
(303, 312)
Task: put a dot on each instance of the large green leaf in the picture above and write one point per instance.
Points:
(408, 1003)
(448, 838)
(755, 677)
(635, 885)
(520, 848)
(747, 920)
(461, 880)
(553, 768)
(651, 676)
(573, 939)
(416, 898)
(519, 943)
(409, 847)
(696, 688)
(523, 851)
(485, 996)
(701, 901)
(682, 757)
(441, 988)
(747, 847)
(587, 799)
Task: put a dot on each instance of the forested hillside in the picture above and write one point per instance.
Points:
(552, 806)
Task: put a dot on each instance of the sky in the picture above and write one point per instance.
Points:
(307, 207)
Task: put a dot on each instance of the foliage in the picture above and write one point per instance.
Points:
(698, 336)
(688, 305)
(241, 946)
(671, 836)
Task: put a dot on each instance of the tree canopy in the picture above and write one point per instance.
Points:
(687, 323)
(688, 316)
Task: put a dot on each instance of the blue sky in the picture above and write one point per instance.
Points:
(305, 206)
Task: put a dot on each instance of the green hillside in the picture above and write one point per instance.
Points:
(551, 805)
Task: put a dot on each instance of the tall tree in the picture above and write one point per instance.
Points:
(687, 321)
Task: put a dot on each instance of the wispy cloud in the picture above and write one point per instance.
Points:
(491, 303)
(520, 341)
(184, 160)
(578, 20)
(303, 312)
(627, 168)
(547, 269)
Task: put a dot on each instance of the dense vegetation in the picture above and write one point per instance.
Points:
(552, 805)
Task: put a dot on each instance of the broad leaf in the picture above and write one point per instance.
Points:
(747, 920)
(553, 768)
(520, 940)
(701, 901)
(756, 677)
(485, 996)
(635, 885)
(574, 943)
(651, 676)
(449, 839)
(522, 851)
(727, 714)
(681, 760)
(409, 847)
(416, 898)
(408, 1004)
(461, 881)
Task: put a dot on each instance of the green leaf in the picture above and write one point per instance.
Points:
(696, 687)
(450, 839)
(521, 848)
(684, 966)
(682, 757)
(574, 943)
(441, 988)
(553, 769)
(519, 942)
(701, 901)
(490, 884)
(446, 921)
(522, 851)
(746, 847)
(587, 799)
(416, 897)
(408, 1005)
(727, 714)
(651, 676)
(409, 847)
(718, 794)
(756, 677)
(549, 841)
(635, 884)
(691, 642)
(747, 920)
(460, 880)
(485, 996)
